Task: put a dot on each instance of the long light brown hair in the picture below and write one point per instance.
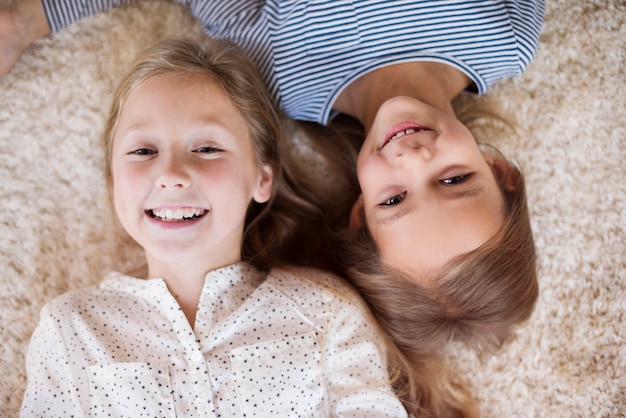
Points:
(478, 298)
(271, 226)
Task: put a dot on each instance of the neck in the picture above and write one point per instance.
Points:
(431, 82)
(185, 282)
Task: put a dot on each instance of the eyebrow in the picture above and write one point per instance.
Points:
(465, 194)
(450, 195)
(199, 123)
(402, 211)
(132, 128)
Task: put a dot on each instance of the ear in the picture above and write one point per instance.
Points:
(263, 191)
(357, 215)
(506, 174)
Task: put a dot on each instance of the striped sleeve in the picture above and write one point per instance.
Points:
(212, 13)
(526, 19)
(62, 13)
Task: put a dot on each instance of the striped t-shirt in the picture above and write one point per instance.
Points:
(309, 51)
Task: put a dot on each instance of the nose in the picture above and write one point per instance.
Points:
(413, 147)
(172, 174)
(416, 163)
(413, 153)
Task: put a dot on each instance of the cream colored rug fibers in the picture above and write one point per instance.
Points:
(569, 360)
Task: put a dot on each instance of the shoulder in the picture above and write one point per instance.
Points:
(309, 286)
(332, 304)
(62, 312)
(73, 299)
(77, 301)
(297, 277)
(530, 11)
(526, 17)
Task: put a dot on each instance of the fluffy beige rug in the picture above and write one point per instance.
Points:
(568, 361)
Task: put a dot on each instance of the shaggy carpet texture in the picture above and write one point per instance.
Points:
(569, 360)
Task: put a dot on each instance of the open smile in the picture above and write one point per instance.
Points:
(177, 214)
(402, 129)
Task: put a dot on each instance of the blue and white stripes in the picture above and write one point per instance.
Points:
(308, 51)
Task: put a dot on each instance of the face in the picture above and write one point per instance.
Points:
(184, 172)
(428, 193)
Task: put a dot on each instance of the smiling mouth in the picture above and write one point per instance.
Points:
(177, 215)
(402, 132)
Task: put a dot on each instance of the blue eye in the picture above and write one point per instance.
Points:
(394, 200)
(454, 180)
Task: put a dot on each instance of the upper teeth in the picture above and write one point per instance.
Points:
(405, 132)
(177, 214)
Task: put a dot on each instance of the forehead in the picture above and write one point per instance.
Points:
(179, 104)
(183, 93)
(184, 82)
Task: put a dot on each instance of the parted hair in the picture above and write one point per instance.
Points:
(267, 232)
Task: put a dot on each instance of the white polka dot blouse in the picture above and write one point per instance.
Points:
(288, 343)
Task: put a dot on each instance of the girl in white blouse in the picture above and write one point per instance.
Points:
(194, 170)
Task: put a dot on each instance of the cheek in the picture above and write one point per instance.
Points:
(120, 201)
(124, 191)
(363, 168)
(370, 172)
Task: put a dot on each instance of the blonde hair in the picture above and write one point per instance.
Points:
(478, 299)
(267, 231)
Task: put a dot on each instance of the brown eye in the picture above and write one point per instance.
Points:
(394, 200)
(454, 180)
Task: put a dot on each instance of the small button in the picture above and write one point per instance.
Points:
(204, 391)
(197, 357)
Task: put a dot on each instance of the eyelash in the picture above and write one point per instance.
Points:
(149, 151)
(392, 200)
(207, 150)
(454, 180)
(143, 151)
(450, 181)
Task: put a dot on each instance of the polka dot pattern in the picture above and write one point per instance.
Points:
(295, 342)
